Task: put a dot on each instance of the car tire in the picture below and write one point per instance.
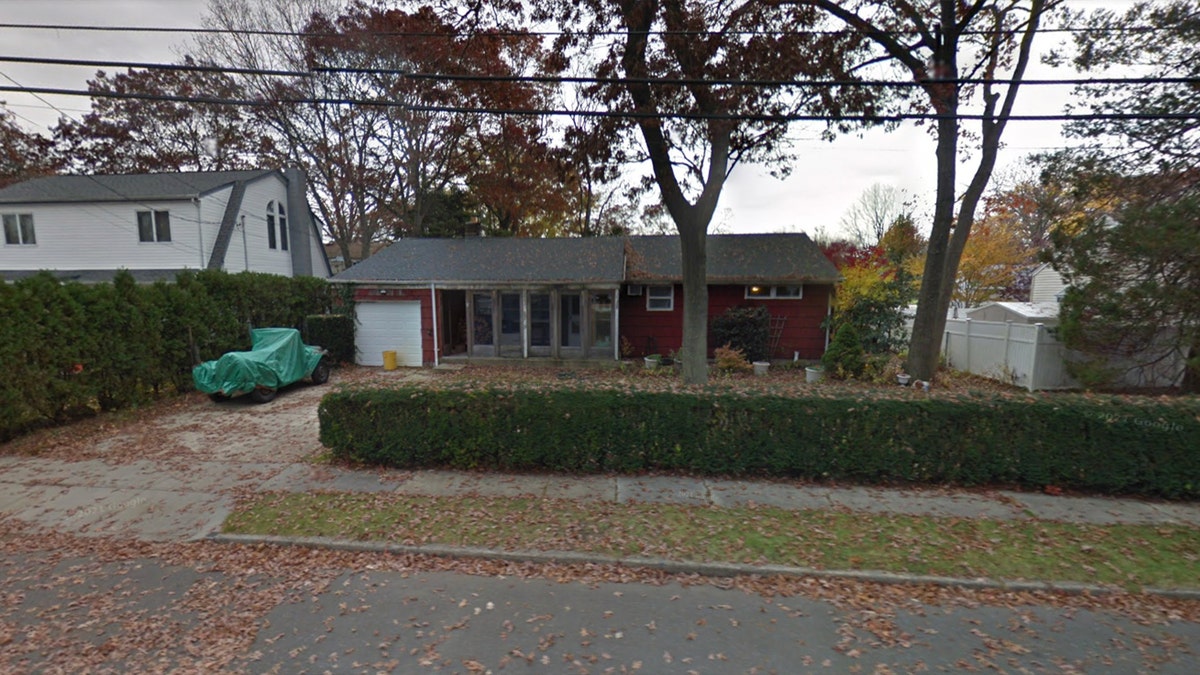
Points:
(218, 397)
(320, 374)
(263, 394)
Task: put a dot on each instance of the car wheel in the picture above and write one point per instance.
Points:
(218, 397)
(320, 374)
(263, 394)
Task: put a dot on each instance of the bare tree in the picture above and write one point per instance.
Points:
(870, 216)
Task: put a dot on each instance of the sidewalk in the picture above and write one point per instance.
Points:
(143, 500)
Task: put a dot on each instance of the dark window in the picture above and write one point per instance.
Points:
(18, 229)
(154, 226)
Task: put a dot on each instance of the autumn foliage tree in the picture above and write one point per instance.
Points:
(156, 134)
(23, 154)
(955, 52)
(670, 72)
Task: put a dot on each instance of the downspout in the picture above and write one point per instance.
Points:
(433, 308)
(200, 231)
(245, 247)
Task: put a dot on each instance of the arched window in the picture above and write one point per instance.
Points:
(277, 215)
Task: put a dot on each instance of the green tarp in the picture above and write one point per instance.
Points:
(277, 357)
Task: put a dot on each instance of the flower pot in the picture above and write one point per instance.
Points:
(760, 367)
(903, 379)
(652, 362)
(813, 373)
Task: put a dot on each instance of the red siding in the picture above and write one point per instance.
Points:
(406, 295)
(660, 332)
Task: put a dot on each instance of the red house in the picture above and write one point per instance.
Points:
(436, 300)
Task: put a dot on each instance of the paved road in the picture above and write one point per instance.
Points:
(128, 606)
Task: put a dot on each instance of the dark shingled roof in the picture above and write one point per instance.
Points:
(123, 187)
(733, 258)
(495, 260)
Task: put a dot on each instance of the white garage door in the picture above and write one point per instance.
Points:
(388, 326)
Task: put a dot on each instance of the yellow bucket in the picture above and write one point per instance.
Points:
(389, 360)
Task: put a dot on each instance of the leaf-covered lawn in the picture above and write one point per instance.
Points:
(1130, 556)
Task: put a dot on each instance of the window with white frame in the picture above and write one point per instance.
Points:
(154, 226)
(775, 292)
(660, 298)
(277, 215)
(18, 229)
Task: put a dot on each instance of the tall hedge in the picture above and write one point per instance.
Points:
(1069, 442)
(70, 349)
(334, 332)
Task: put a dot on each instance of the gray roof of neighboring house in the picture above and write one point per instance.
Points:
(123, 187)
(735, 258)
(494, 260)
(731, 259)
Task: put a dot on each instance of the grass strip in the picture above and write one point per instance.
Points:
(1130, 556)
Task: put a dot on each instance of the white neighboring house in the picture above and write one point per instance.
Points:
(85, 228)
(1046, 284)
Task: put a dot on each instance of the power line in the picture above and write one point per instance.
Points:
(185, 67)
(525, 34)
(555, 79)
(547, 112)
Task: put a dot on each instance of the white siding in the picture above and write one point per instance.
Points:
(316, 249)
(254, 208)
(1045, 285)
(104, 235)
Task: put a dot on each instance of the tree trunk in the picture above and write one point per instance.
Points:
(693, 235)
(930, 321)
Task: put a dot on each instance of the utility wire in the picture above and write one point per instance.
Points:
(546, 112)
(525, 34)
(555, 79)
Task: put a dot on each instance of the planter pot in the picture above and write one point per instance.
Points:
(814, 373)
(652, 363)
(760, 367)
(903, 379)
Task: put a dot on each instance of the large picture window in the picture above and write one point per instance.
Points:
(775, 292)
(18, 229)
(154, 226)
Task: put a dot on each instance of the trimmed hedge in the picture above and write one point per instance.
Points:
(334, 332)
(1068, 442)
(69, 349)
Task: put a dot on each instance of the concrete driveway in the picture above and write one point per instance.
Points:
(167, 473)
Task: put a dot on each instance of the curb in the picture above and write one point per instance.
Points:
(702, 569)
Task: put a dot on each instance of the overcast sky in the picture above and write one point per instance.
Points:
(825, 181)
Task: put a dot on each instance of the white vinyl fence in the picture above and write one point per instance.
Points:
(1025, 355)
(1029, 356)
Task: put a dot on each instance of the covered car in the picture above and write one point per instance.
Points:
(277, 358)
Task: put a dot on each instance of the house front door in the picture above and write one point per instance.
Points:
(510, 325)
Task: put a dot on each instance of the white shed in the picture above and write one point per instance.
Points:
(1017, 312)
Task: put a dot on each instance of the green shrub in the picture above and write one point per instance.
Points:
(747, 329)
(69, 349)
(334, 332)
(845, 357)
(1069, 442)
